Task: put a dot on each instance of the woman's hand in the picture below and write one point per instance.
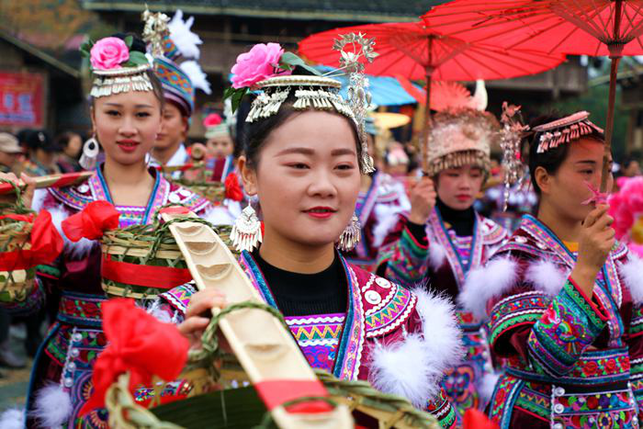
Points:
(199, 313)
(27, 193)
(422, 197)
(596, 240)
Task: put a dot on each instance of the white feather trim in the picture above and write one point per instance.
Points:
(154, 309)
(198, 78)
(405, 369)
(39, 196)
(52, 406)
(219, 215)
(437, 256)
(487, 386)
(12, 419)
(632, 272)
(485, 283)
(75, 250)
(387, 216)
(442, 335)
(185, 40)
(546, 276)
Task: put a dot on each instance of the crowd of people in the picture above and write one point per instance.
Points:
(426, 272)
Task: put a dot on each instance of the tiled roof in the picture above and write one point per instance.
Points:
(336, 10)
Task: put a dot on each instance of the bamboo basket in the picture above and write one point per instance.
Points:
(145, 246)
(15, 235)
(201, 185)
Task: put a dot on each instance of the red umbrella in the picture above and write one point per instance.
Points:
(580, 27)
(416, 51)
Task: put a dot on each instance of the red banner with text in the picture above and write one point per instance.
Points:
(21, 99)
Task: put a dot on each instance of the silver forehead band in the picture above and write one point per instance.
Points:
(319, 93)
(316, 92)
(565, 130)
(116, 81)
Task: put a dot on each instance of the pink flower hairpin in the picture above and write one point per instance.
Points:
(597, 197)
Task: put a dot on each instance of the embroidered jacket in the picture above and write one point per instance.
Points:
(377, 211)
(571, 360)
(443, 260)
(383, 337)
(74, 341)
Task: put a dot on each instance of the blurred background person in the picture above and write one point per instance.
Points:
(42, 154)
(10, 153)
(220, 147)
(70, 145)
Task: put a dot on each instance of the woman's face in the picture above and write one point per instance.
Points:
(174, 129)
(459, 187)
(307, 178)
(566, 189)
(127, 124)
(74, 145)
(220, 147)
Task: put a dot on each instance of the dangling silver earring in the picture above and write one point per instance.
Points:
(90, 153)
(350, 236)
(246, 231)
(148, 158)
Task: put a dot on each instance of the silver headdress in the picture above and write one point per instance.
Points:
(116, 81)
(155, 30)
(322, 92)
(510, 143)
(565, 130)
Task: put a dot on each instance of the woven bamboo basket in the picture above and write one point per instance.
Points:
(15, 235)
(202, 184)
(143, 246)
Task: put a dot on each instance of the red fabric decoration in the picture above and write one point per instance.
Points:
(274, 393)
(476, 419)
(180, 210)
(46, 243)
(143, 275)
(91, 223)
(212, 120)
(232, 189)
(136, 341)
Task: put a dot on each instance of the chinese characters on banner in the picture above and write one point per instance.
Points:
(21, 99)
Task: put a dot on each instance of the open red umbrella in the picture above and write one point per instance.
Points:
(416, 51)
(580, 27)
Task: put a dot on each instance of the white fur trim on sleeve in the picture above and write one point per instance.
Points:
(52, 406)
(219, 215)
(12, 419)
(387, 217)
(38, 200)
(404, 369)
(546, 276)
(437, 256)
(632, 272)
(414, 367)
(485, 283)
(76, 250)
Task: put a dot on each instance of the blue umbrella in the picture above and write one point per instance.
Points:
(386, 91)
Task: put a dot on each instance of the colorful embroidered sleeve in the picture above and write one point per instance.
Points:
(33, 302)
(569, 326)
(406, 259)
(635, 342)
(443, 411)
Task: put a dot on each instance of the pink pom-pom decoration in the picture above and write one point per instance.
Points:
(626, 206)
(212, 120)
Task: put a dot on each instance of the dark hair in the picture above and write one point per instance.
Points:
(138, 45)
(552, 159)
(63, 139)
(256, 133)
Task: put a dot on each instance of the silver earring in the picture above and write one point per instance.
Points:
(148, 158)
(350, 236)
(90, 153)
(246, 231)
